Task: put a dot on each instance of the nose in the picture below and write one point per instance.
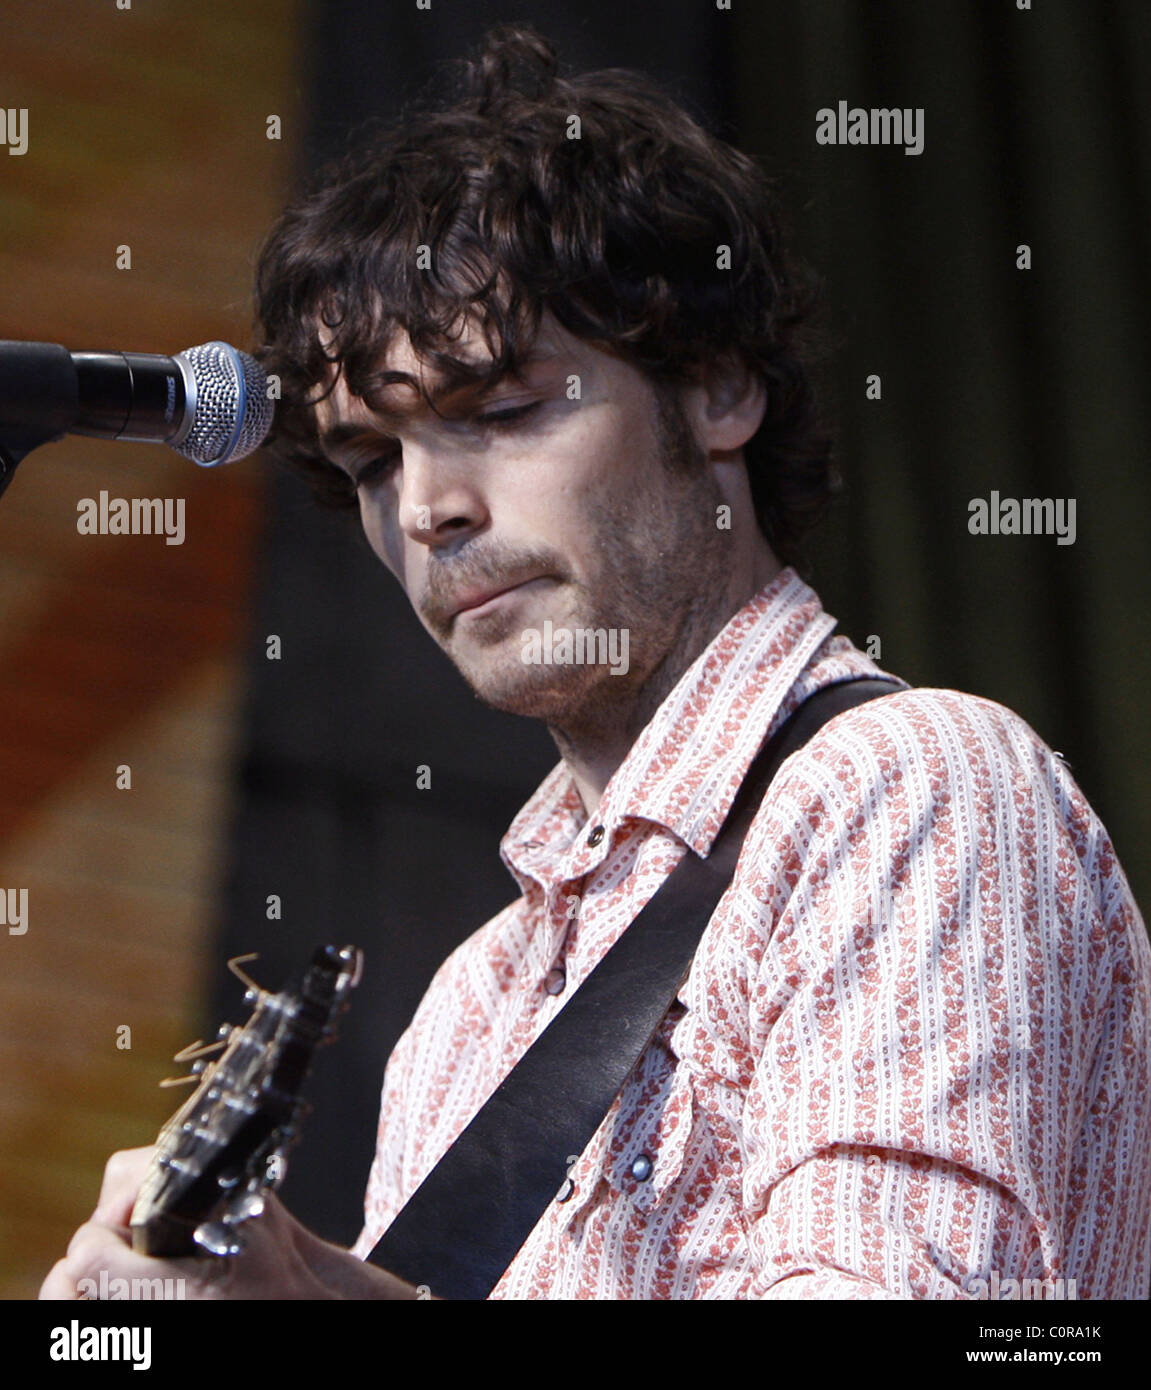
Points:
(440, 498)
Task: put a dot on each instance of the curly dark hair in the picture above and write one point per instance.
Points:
(619, 233)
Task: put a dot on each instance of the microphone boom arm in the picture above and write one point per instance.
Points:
(41, 397)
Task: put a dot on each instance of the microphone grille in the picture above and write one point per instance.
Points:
(231, 412)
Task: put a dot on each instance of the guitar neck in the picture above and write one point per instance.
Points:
(227, 1143)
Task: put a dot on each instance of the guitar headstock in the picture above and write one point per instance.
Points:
(226, 1145)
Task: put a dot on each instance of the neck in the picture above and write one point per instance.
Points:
(594, 743)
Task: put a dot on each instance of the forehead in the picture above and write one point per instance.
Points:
(552, 346)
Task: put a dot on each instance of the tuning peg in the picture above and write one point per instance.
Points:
(247, 1208)
(218, 1238)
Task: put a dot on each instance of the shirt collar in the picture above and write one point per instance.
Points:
(686, 766)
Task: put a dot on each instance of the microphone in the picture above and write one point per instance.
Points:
(209, 403)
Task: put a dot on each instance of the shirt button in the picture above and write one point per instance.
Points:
(555, 980)
(596, 835)
(641, 1168)
(566, 1192)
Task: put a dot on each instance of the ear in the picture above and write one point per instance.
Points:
(726, 405)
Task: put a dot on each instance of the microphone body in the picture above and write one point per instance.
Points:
(134, 396)
(210, 403)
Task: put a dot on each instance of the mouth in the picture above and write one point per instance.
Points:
(479, 602)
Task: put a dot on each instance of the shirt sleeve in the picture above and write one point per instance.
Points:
(435, 1078)
(948, 1018)
(384, 1196)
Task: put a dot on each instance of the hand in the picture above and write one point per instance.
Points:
(281, 1260)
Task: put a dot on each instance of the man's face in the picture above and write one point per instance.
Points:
(575, 495)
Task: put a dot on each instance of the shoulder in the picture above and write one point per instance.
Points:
(918, 716)
(931, 779)
(942, 740)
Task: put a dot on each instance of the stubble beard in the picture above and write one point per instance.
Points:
(665, 567)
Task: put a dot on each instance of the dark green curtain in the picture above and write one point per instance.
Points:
(1032, 383)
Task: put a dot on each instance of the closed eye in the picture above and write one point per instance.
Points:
(376, 468)
(499, 417)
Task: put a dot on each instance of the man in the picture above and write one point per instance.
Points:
(545, 341)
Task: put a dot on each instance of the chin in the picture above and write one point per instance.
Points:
(549, 693)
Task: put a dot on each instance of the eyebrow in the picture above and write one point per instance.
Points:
(462, 381)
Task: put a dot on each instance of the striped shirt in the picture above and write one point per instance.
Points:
(911, 1057)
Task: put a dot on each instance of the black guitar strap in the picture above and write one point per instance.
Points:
(463, 1226)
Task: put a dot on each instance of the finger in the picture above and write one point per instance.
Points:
(100, 1257)
(123, 1175)
(59, 1284)
(95, 1235)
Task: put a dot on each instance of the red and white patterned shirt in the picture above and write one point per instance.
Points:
(913, 1048)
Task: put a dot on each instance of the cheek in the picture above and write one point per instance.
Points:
(604, 493)
(384, 538)
(600, 469)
